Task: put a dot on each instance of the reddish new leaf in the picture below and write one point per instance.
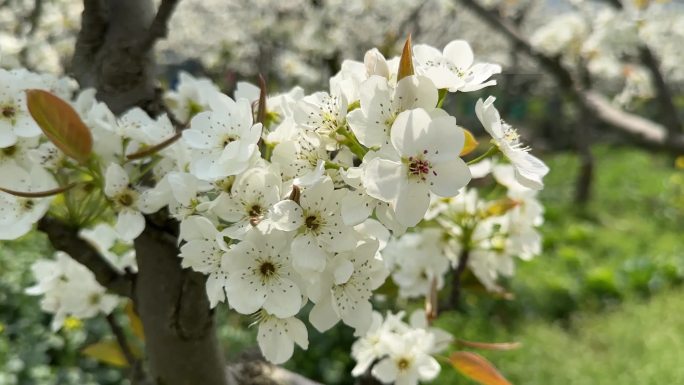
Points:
(406, 60)
(489, 345)
(61, 124)
(477, 368)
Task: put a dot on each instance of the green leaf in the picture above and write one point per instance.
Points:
(406, 60)
(477, 368)
(107, 351)
(61, 124)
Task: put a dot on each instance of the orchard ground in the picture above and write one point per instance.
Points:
(598, 306)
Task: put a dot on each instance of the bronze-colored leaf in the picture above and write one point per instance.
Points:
(107, 351)
(154, 149)
(61, 124)
(470, 143)
(38, 194)
(134, 320)
(406, 60)
(477, 368)
(489, 345)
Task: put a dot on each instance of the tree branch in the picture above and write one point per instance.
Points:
(647, 132)
(66, 239)
(455, 295)
(262, 373)
(159, 28)
(663, 94)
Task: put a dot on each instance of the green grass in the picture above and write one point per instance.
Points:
(641, 343)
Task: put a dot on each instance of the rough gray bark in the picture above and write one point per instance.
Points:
(114, 55)
(109, 54)
(180, 330)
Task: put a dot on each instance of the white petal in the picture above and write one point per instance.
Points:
(276, 345)
(385, 370)
(382, 178)
(308, 256)
(322, 315)
(116, 180)
(407, 130)
(412, 203)
(284, 298)
(130, 224)
(286, 215)
(459, 53)
(446, 178)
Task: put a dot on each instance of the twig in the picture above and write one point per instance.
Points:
(138, 374)
(649, 133)
(121, 339)
(65, 238)
(159, 28)
(455, 295)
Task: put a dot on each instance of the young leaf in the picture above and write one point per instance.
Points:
(134, 320)
(477, 368)
(38, 194)
(489, 345)
(406, 60)
(107, 351)
(61, 124)
(470, 143)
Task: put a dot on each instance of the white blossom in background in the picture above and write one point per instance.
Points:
(69, 289)
(529, 170)
(403, 351)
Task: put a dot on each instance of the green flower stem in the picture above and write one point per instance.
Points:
(491, 152)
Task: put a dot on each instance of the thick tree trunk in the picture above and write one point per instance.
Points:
(114, 55)
(110, 55)
(180, 339)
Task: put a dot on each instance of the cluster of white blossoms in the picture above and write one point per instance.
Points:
(293, 200)
(69, 289)
(398, 352)
(607, 42)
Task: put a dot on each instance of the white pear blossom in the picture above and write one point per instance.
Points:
(203, 251)
(18, 214)
(429, 161)
(401, 352)
(225, 138)
(130, 222)
(529, 170)
(69, 289)
(380, 104)
(322, 114)
(261, 275)
(15, 120)
(454, 68)
(416, 259)
(321, 229)
(277, 337)
(255, 201)
(345, 290)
